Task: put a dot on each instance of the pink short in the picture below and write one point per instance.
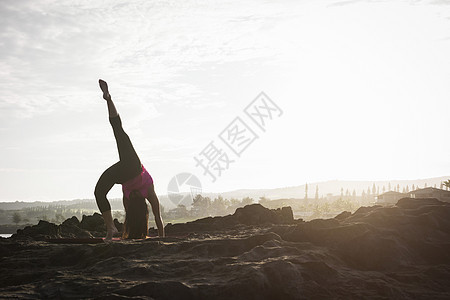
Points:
(141, 183)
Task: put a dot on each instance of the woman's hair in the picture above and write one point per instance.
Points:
(136, 218)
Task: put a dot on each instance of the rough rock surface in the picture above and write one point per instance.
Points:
(254, 214)
(399, 252)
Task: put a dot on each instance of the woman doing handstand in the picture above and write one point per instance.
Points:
(137, 184)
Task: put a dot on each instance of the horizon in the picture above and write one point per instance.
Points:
(357, 89)
(311, 185)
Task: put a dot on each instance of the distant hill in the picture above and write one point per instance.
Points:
(326, 187)
(329, 187)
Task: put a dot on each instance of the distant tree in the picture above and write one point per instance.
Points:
(354, 194)
(181, 211)
(262, 200)
(219, 205)
(447, 184)
(435, 185)
(384, 189)
(404, 190)
(441, 186)
(317, 193)
(426, 185)
(398, 188)
(407, 188)
(363, 195)
(16, 218)
(389, 187)
(342, 192)
(347, 193)
(234, 202)
(413, 187)
(368, 191)
(247, 201)
(201, 205)
(378, 190)
(374, 189)
(306, 191)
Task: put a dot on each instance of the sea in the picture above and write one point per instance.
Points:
(5, 235)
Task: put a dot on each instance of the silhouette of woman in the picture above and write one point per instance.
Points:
(137, 184)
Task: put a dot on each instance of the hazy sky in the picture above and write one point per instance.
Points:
(364, 87)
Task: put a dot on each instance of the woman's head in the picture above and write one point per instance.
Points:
(136, 217)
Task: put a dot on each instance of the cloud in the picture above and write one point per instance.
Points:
(184, 68)
(51, 50)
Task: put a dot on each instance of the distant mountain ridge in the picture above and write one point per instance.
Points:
(330, 187)
(325, 187)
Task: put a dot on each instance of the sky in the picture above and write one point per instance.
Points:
(362, 90)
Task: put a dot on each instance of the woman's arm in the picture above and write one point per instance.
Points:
(154, 202)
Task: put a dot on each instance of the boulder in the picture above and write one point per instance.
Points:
(93, 223)
(70, 228)
(412, 203)
(343, 215)
(256, 214)
(41, 231)
(72, 222)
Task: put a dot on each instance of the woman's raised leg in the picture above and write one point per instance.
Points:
(127, 154)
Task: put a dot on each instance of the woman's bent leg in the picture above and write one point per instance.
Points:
(104, 185)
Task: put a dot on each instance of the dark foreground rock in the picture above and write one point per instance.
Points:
(90, 226)
(254, 214)
(94, 226)
(400, 252)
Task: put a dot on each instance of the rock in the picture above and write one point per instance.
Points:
(397, 252)
(343, 215)
(411, 203)
(93, 223)
(72, 222)
(366, 209)
(384, 238)
(159, 290)
(89, 227)
(254, 214)
(68, 230)
(41, 231)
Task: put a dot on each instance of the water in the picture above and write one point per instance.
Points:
(5, 235)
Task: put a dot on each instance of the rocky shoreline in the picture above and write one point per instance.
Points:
(398, 252)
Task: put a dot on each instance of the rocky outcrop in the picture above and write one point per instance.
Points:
(41, 231)
(384, 238)
(94, 225)
(254, 214)
(90, 226)
(399, 252)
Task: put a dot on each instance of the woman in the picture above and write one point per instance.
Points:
(137, 184)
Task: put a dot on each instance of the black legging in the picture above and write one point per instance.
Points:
(127, 168)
